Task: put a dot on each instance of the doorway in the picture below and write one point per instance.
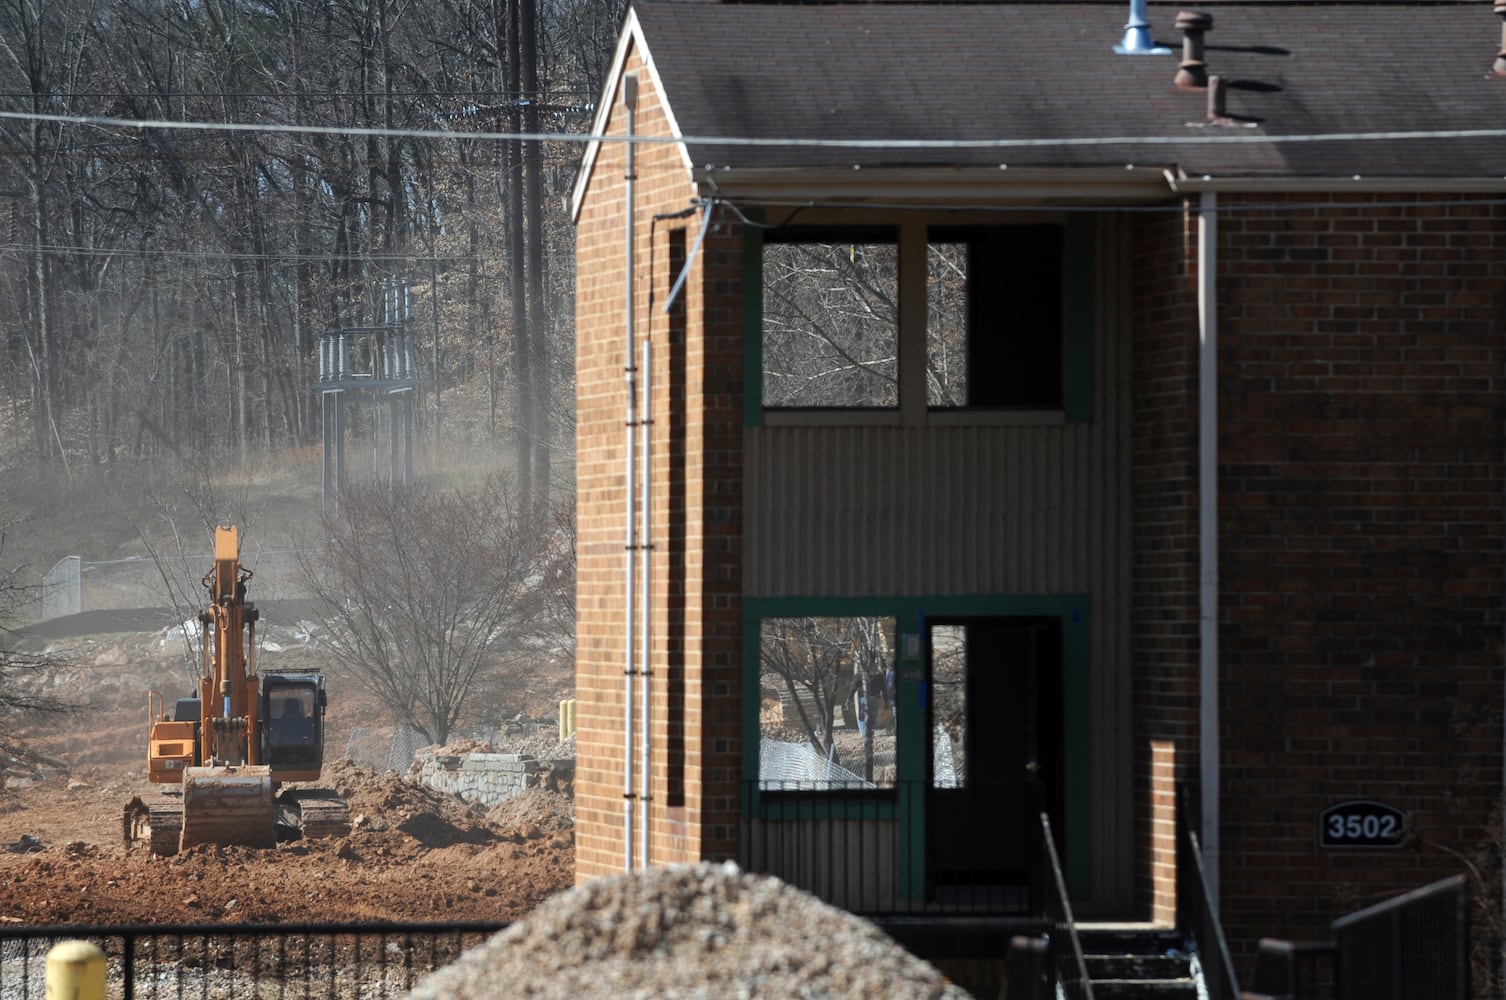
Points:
(996, 751)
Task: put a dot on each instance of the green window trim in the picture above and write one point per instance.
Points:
(912, 614)
(1078, 321)
(1081, 258)
(753, 318)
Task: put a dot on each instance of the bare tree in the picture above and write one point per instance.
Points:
(423, 594)
(557, 620)
(199, 501)
(162, 292)
(831, 321)
(826, 662)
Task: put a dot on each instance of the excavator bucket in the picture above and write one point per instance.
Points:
(229, 805)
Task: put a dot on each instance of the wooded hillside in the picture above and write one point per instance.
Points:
(163, 289)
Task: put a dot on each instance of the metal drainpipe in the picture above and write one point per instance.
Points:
(1207, 373)
(645, 549)
(630, 106)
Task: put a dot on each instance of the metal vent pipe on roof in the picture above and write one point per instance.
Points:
(1193, 73)
(1499, 69)
(1218, 105)
(1137, 37)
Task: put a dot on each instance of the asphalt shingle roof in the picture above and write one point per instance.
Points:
(990, 71)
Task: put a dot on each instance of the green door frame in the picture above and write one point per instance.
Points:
(912, 614)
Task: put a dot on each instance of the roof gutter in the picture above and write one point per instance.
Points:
(1183, 184)
(934, 185)
(967, 186)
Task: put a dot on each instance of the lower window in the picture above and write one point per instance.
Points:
(826, 714)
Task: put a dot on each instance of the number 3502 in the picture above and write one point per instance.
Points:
(1353, 827)
(1362, 823)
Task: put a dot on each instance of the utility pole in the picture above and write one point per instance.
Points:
(533, 195)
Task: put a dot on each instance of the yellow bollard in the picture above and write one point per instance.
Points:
(75, 971)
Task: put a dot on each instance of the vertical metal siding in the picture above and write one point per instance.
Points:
(853, 511)
(986, 510)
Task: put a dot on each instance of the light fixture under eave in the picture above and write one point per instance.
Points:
(1137, 37)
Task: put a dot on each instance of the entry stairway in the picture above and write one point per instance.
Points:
(1138, 963)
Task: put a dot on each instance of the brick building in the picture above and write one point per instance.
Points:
(1034, 428)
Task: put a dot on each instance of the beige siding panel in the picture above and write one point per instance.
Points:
(943, 510)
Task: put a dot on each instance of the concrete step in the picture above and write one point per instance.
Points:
(1137, 964)
(1118, 965)
(1143, 989)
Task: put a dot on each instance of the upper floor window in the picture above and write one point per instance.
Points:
(831, 318)
(994, 317)
(913, 319)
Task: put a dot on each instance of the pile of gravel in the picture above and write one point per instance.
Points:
(683, 931)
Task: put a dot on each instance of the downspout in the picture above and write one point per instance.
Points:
(630, 106)
(645, 549)
(1207, 377)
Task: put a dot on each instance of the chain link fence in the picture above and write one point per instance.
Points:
(62, 588)
(384, 749)
(75, 584)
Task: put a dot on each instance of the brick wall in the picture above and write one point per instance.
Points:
(696, 460)
(1361, 494)
(1165, 580)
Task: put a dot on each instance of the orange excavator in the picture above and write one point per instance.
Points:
(226, 753)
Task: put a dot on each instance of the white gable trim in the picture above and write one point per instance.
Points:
(630, 39)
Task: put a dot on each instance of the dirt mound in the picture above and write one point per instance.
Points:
(381, 800)
(416, 854)
(688, 931)
(534, 813)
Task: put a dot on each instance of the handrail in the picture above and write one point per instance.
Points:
(1196, 914)
(1279, 966)
(1075, 983)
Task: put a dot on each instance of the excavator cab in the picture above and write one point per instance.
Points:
(292, 713)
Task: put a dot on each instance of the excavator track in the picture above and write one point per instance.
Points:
(316, 812)
(157, 820)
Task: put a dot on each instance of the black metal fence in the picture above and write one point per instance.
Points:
(292, 961)
(1412, 947)
(855, 846)
(1287, 970)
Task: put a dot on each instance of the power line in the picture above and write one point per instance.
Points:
(60, 250)
(766, 141)
(299, 94)
(1226, 209)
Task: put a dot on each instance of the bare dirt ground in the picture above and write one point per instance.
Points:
(414, 854)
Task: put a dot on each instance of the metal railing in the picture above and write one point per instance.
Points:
(1065, 946)
(1287, 970)
(1197, 917)
(1412, 947)
(291, 961)
(859, 849)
